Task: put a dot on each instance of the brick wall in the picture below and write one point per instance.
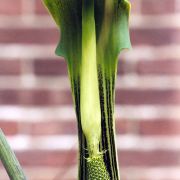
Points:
(36, 110)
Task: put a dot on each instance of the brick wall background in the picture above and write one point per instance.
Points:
(36, 110)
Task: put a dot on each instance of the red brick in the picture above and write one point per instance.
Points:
(50, 67)
(154, 36)
(9, 97)
(8, 127)
(10, 7)
(158, 7)
(45, 97)
(8, 67)
(167, 67)
(125, 126)
(159, 127)
(47, 158)
(137, 97)
(55, 128)
(35, 97)
(125, 67)
(29, 35)
(39, 8)
(149, 158)
(176, 36)
(135, 6)
(50, 128)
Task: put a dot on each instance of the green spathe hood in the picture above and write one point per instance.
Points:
(110, 16)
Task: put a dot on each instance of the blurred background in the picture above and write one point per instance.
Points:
(36, 111)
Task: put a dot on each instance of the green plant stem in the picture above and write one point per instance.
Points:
(9, 160)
